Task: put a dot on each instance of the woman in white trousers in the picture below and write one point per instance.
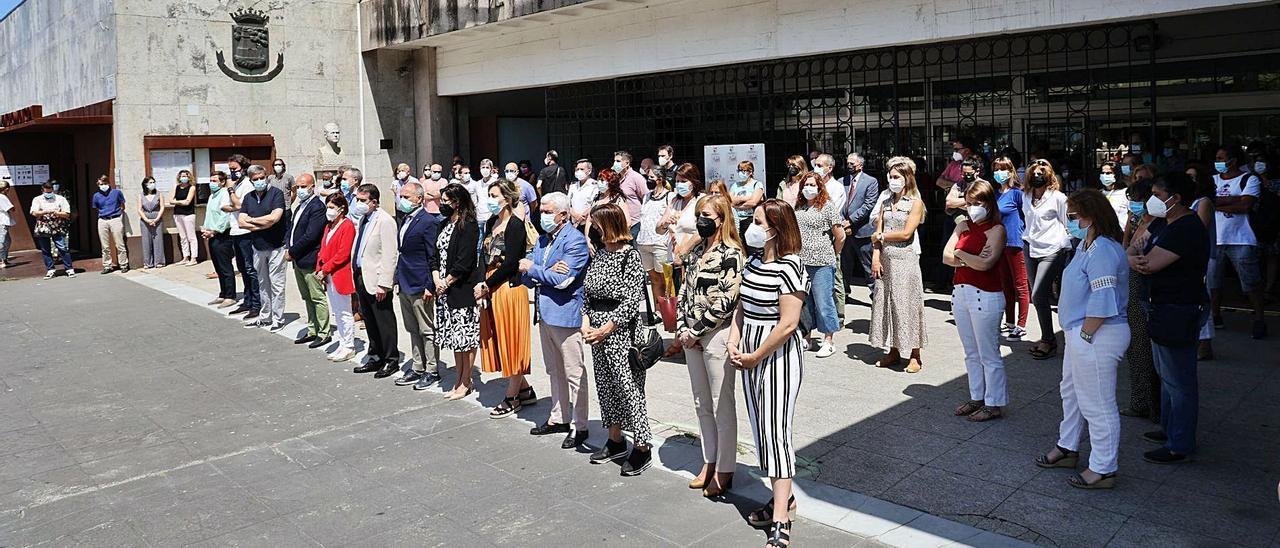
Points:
(708, 299)
(1092, 310)
(974, 250)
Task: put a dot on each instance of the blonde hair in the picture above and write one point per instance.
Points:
(906, 167)
(1043, 166)
(728, 224)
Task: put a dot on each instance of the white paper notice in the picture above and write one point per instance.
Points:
(22, 175)
(165, 165)
(39, 174)
(5, 173)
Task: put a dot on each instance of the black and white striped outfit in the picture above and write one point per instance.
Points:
(771, 387)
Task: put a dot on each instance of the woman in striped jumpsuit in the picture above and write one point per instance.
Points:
(765, 346)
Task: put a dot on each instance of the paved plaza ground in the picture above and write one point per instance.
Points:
(133, 416)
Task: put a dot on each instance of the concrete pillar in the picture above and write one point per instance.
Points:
(433, 115)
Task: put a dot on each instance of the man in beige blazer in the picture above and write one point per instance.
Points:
(373, 268)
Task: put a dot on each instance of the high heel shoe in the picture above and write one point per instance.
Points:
(455, 395)
(724, 486)
(698, 483)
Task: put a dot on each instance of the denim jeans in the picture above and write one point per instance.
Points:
(819, 308)
(46, 245)
(248, 274)
(1179, 395)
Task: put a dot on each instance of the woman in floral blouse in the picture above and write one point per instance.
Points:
(707, 300)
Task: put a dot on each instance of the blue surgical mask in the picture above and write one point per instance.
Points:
(1138, 209)
(741, 176)
(617, 167)
(1221, 167)
(683, 189)
(1073, 226)
(404, 205)
(49, 195)
(494, 207)
(303, 193)
(213, 185)
(1107, 179)
(1126, 170)
(549, 223)
(1000, 176)
(346, 187)
(1168, 152)
(260, 185)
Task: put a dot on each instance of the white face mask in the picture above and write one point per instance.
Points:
(820, 170)
(896, 185)
(810, 192)
(402, 175)
(756, 236)
(360, 209)
(581, 174)
(976, 213)
(103, 187)
(151, 186)
(512, 177)
(956, 156)
(1156, 207)
(279, 169)
(331, 214)
(485, 172)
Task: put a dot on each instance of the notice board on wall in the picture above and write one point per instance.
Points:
(165, 166)
(721, 161)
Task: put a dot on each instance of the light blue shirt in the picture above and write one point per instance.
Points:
(1095, 285)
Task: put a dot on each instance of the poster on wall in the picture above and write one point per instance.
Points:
(22, 175)
(721, 161)
(5, 174)
(165, 165)
(39, 174)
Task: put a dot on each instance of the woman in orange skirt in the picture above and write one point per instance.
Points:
(504, 318)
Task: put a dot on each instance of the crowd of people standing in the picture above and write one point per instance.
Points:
(1132, 265)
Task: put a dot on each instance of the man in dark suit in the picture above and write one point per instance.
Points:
(305, 232)
(858, 228)
(418, 258)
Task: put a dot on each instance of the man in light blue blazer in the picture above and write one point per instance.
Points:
(559, 306)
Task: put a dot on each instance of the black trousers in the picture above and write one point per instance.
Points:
(222, 250)
(379, 322)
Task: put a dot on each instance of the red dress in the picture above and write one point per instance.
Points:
(335, 256)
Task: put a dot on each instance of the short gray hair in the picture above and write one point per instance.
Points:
(355, 172)
(558, 201)
(255, 169)
(826, 160)
(414, 188)
(857, 158)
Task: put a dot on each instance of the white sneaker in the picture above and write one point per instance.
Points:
(342, 355)
(825, 349)
(1016, 334)
(50, 274)
(71, 273)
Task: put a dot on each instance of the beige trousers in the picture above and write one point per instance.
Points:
(566, 357)
(711, 376)
(112, 231)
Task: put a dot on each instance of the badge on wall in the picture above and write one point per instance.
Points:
(250, 49)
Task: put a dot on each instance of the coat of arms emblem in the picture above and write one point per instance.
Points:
(250, 48)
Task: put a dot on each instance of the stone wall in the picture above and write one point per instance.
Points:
(57, 53)
(392, 22)
(169, 83)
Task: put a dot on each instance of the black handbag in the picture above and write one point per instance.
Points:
(646, 345)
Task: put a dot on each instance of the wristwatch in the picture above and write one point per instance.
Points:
(1086, 336)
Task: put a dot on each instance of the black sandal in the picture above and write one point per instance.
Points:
(530, 399)
(1107, 481)
(763, 515)
(1067, 460)
(779, 534)
(1045, 353)
(508, 407)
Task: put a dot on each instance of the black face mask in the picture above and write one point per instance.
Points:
(595, 236)
(792, 171)
(970, 177)
(706, 226)
(1038, 180)
(652, 184)
(446, 210)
